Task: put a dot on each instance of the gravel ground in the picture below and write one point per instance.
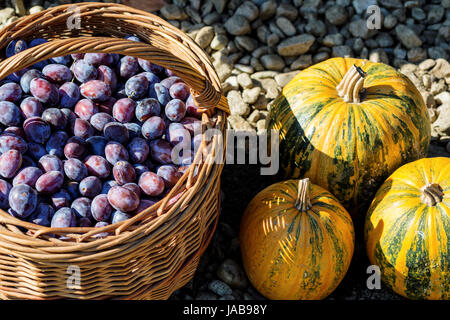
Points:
(257, 47)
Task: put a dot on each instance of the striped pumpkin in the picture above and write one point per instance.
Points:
(349, 128)
(296, 240)
(407, 230)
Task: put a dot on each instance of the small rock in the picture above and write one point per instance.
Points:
(211, 18)
(400, 53)
(264, 75)
(332, 40)
(5, 14)
(358, 29)
(230, 84)
(321, 56)
(261, 102)
(438, 87)
(379, 55)
(267, 10)
(202, 295)
(407, 36)
(227, 297)
(237, 104)
(261, 125)
(390, 21)
(248, 10)
(219, 5)
(296, 45)
(437, 53)
(286, 26)
(283, 79)
(204, 36)
(442, 124)
(270, 86)
(245, 42)
(342, 51)
(219, 42)
(222, 64)
(173, 12)
(287, 10)
(435, 14)
(441, 69)
(252, 118)
(35, 9)
(418, 14)
(230, 272)
(316, 28)
(237, 25)
(238, 123)
(302, 62)
(437, 151)
(362, 5)
(244, 80)
(273, 62)
(336, 15)
(443, 97)
(428, 98)
(427, 64)
(251, 95)
(244, 67)
(273, 39)
(417, 54)
(384, 40)
(433, 114)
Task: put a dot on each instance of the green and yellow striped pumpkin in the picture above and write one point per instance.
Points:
(296, 240)
(407, 230)
(349, 128)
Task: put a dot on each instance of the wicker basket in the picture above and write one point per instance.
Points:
(157, 251)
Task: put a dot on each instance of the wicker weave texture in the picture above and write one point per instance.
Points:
(157, 251)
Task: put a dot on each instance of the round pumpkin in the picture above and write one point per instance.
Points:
(296, 241)
(347, 124)
(407, 230)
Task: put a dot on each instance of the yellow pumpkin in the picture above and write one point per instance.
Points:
(347, 124)
(407, 230)
(297, 241)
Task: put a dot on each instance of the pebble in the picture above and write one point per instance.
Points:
(427, 64)
(417, 55)
(358, 29)
(5, 14)
(336, 15)
(251, 95)
(229, 271)
(239, 123)
(248, 10)
(219, 42)
(283, 79)
(202, 295)
(267, 10)
(244, 80)
(332, 40)
(442, 123)
(362, 5)
(296, 45)
(237, 104)
(407, 36)
(286, 26)
(246, 43)
(173, 12)
(390, 21)
(342, 51)
(205, 36)
(302, 62)
(272, 62)
(35, 9)
(237, 25)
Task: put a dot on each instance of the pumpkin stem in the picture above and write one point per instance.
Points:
(303, 202)
(432, 194)
(351, 84)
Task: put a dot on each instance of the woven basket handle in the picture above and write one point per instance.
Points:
(203, 91)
